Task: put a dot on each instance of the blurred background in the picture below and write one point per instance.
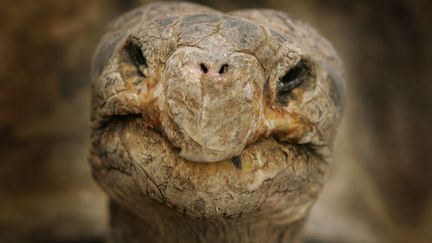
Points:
(380, 185)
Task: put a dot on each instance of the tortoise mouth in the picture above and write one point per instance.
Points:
(134, 163)
(236, 162)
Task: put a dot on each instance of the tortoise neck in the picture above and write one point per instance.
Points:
(161, 224)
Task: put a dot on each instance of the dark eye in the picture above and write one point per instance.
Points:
(137, 57)
(292, 79)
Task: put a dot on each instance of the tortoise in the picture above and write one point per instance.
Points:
(211, 126)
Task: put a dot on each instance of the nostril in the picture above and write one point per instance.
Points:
(223, 69)
(203, 68)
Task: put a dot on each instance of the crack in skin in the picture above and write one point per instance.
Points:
(117, 169)
(147, 176)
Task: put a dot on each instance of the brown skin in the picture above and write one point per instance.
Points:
(210, 126)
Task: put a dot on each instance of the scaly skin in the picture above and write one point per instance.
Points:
(212, 127)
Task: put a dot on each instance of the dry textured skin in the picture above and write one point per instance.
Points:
(212, 127)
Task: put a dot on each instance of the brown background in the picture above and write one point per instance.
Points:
(380, 187)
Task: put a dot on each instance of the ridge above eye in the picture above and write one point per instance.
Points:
(292, 79)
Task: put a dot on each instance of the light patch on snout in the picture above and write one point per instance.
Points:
(215, 114)
(219, 120)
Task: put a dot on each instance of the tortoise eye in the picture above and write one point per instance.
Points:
(292, 79)
(137, 57)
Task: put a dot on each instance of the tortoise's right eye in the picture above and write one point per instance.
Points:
(292, 79)
(137, 57)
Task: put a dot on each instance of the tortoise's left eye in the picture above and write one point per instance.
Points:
(292, 79)
(137, 57)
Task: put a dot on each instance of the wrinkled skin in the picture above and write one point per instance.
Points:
(225, 117)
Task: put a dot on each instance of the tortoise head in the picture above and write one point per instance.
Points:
(214, 114)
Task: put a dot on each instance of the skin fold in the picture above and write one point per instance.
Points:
(210, 126)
